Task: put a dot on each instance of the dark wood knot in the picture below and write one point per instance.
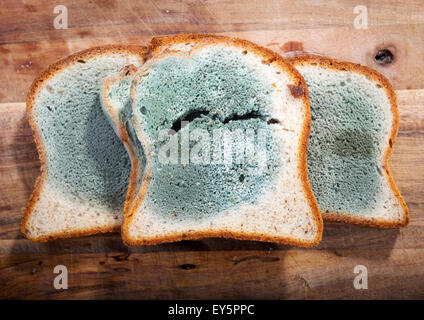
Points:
(384, 56)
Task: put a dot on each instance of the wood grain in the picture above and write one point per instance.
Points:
(102, 267)
(216, 275)
(29, 42)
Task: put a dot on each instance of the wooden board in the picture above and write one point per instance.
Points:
(102, 267)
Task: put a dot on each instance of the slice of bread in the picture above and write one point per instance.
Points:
(84, 166)
(115, 99)
(192, 88)
(354, 125)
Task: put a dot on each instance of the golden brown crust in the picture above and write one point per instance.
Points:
(32, 95)
(158, 44)
(307, 59)
(217, 234)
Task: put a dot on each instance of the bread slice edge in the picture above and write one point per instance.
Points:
(121, 130)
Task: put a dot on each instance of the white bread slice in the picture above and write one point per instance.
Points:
(84, 166)
(219, 82)
(354, 126)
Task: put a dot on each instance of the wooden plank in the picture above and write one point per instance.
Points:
(336, 237)
(392, 274)
(28, 46)
(103, 18)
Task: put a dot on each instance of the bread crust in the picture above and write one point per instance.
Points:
(41, 148)
(308, 59)
(268, 57)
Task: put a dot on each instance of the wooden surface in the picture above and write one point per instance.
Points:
(101, 267)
